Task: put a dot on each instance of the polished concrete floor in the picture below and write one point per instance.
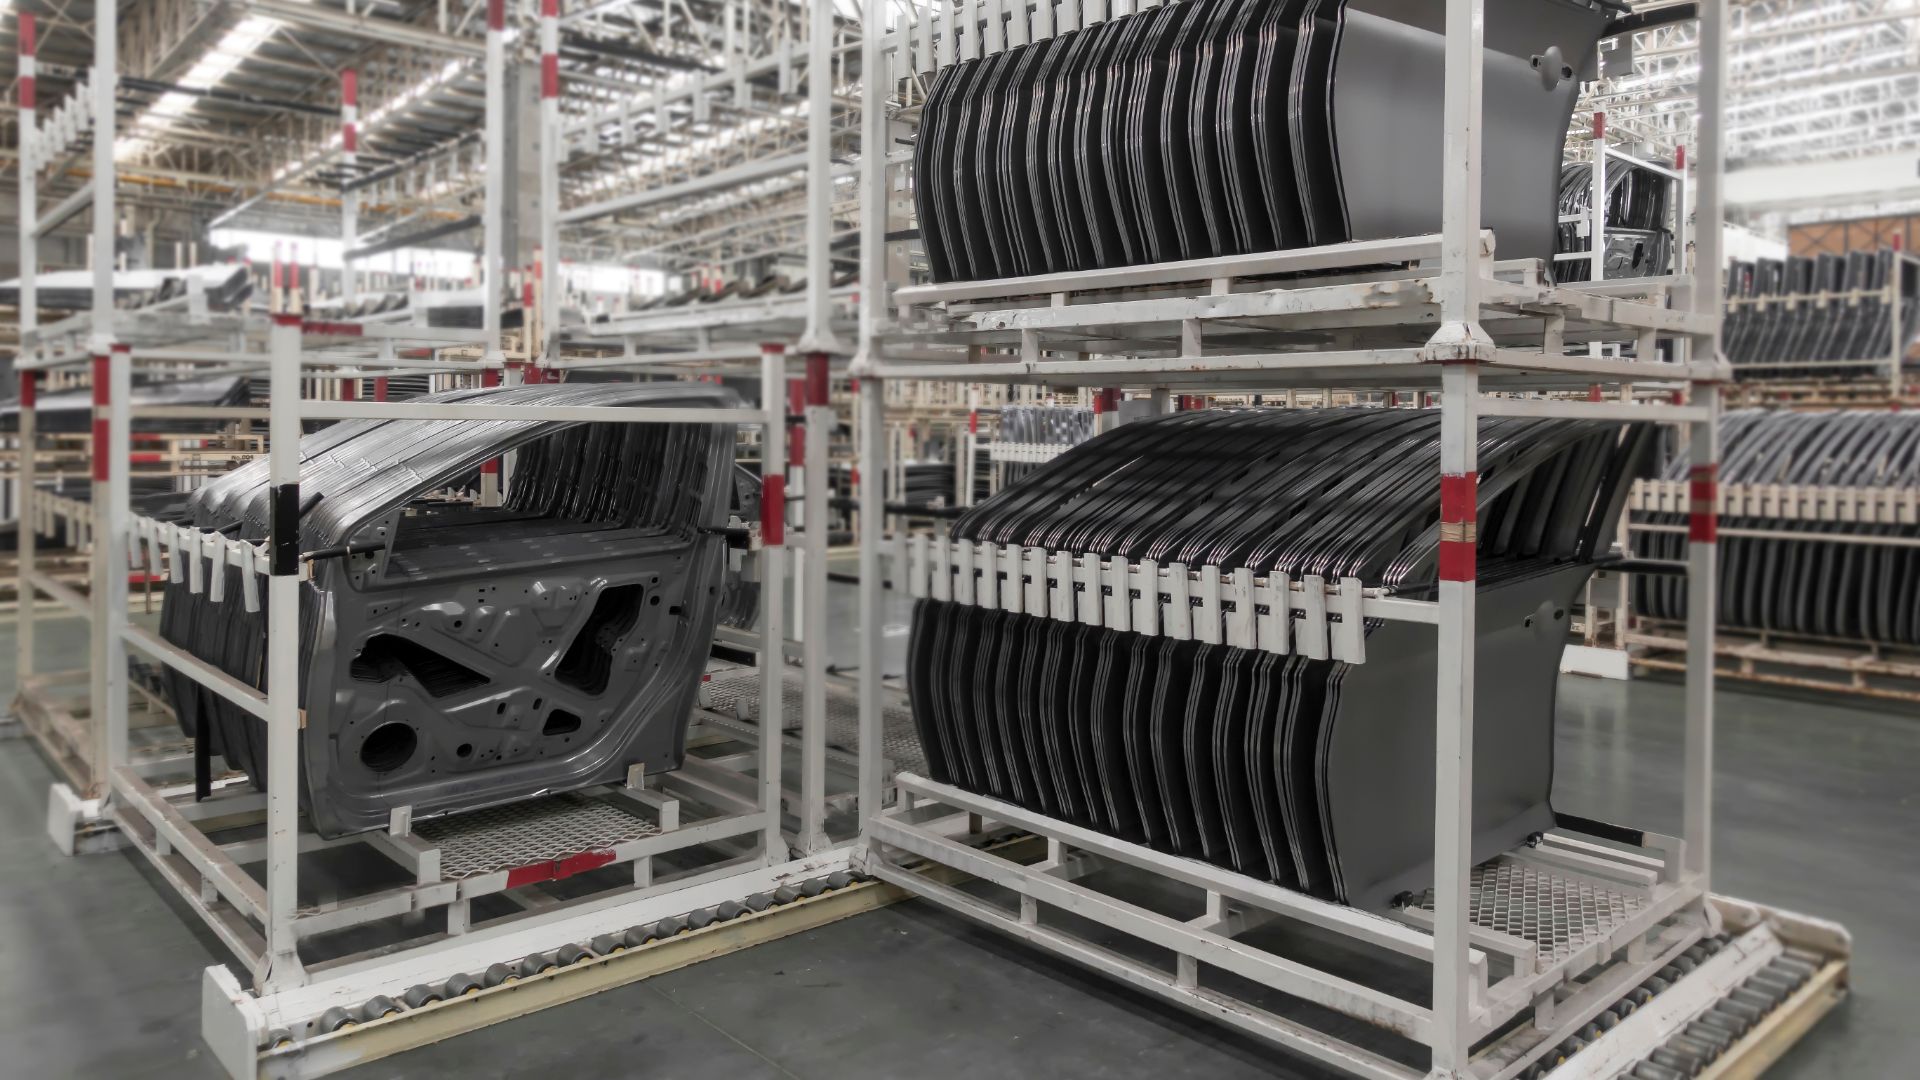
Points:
(1815, 811)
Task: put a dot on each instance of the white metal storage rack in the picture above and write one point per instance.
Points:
(1593, 224)
(1500, 938)
(313, 1016)
(723, 337)
(1890, 364)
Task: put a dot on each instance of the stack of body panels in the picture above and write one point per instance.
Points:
(1217, 127)
(1801, 584)
(1314, 774)
(1638, 241)
(456, 656)
(1798, 317)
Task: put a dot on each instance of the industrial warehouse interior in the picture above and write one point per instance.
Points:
(824, 539)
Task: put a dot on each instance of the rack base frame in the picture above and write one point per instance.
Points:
(51, 709)
(1636, 912)
(279, 1036)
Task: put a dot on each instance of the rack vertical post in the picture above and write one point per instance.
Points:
(112, 440)
(25, 598)
(1459, 345)
(281, 957)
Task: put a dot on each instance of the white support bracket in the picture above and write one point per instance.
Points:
(1235, 607)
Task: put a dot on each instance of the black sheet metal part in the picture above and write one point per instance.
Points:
(462, 657)
(1388, 121)
(1211, 127)
(1315, 128)
(69, 411)
(1638, 241)
(1800, 584)
(1247, 759)
(226, 287)
(1280, 184)
(1380, 768)
(1810, 317)
(1117, 151)
(1177, 160)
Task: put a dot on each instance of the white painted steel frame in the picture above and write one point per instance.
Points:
(26, 482)
(167, 830)
(1461, 348)
(1667, 921)
(807, 320)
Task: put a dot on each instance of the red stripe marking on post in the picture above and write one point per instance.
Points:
(380, 388)
(490, 377)
(1680, 159)
(1599, 125)
(1593, 392)
(101, 398)
(549, 9)
(1456, 561)
(816, 378)
(1459, 497)
(349, 138)
(773, 510)
(29, 389)
(496, 14)
(350, 87)
(796, 433)
(1099, 402)
(1703, 501)
(549, 75)
(349, 389)
(1459, 511)
(973, 422)
(29, 35)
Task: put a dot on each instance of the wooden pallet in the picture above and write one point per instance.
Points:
(1863, 669)
(1757, 1051)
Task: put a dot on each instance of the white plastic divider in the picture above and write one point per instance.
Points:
(1789, 502)
(1311, 617)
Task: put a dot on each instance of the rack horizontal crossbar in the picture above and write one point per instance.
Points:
(1394, 368)
(585, 414)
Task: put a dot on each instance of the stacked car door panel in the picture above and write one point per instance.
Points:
(1801, 584)
(1216, 127)
(1639, 240)
(1827, 316)
(1315, 774)
(455, 656)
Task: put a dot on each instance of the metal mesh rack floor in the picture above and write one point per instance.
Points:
(738, 694)
(1560, 914)
(524, 833)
